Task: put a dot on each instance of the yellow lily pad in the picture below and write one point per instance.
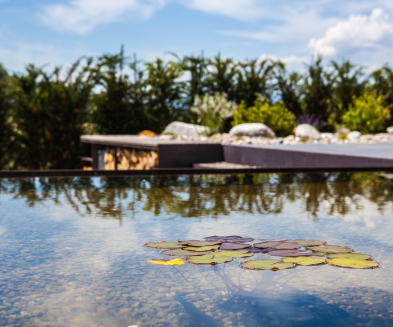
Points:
(165, 245)
(352, 263)
(167, 262)
(208, 259)
(200, 243)
(234, 254)
(351, 255)
(305, 261)
(183, 253)
(330, 249)
(202, 248)
(267, 264)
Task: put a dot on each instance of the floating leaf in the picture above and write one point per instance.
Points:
(167, 262)
(351, 255)
(233, 246)
(229, 239)
(234, 254)
(255, 250)
(208, 259)
(288, 246)
(320, 254)
(201, 248)
(289, 253)
(165, 245)
(269, 244)
(308, 242)
(266, 264)
(305, 261)
(201, 243)
(181, 252)
(330, 249)
(352, 263)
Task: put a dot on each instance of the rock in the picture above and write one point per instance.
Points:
(252, 129)
(180, 128)
(343, 130)
(390, 130)
(307, 131)
(327, 136)
(353, 136)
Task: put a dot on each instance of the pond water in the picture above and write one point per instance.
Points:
(72, 250)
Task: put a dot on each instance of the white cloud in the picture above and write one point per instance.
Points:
(357, 33)
(238, 9)
(81, 16)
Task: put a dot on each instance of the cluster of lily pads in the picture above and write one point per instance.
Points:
(222, 249)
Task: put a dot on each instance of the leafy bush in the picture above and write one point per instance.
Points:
(367, 114)
(212, 111)
(276, 116)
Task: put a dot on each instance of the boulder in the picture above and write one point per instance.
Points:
(327, 136)
(390, 130)
(343, 130)
(307, 131)
(252, 129)
(353, 136)
(180, 128)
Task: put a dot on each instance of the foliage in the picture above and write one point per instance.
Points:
(367, 114)
(276, 116)
(212, 111)
(312, 120)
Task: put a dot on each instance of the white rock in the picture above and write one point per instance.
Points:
(308, 131)
(343, 130)
(180, 128)
(251, 129)
(353, 136)
(390, 130)
(327, 136)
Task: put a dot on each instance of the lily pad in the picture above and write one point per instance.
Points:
(208, 259)
(351, 255)
(269, 244)
(308, 242)
(165, 245)
(290, 253)
(255, 250)
(266, 264)
(167, 262)
(184, 253)
(229, 239)
(201, 248)
(305, 261)
(233, 246)
(201, 243)
(234, 254)
(352, 263)
(330, 249)
(288, 246)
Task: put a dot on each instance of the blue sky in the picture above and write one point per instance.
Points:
(57, 32)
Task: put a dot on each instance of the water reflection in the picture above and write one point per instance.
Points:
(207, 195)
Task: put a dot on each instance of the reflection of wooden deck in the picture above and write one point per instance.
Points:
(311, 155)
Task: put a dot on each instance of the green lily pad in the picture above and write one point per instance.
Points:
(165, 245)
(234, 254)
(352, 263)
(319, 254)
(305, 261)
(351, 255)
(201, 248)
(308, 242)
(330, 249)
(266, 264)
(200, 243)
(208, 259)
(184, 253)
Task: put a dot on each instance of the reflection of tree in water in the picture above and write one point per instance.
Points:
(206, 195)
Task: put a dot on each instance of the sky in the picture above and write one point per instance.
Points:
(58, 32)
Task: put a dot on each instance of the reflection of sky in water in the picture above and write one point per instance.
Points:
(72, 252)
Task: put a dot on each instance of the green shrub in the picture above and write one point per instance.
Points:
(212, 111)
(367, 114)
(276, 116)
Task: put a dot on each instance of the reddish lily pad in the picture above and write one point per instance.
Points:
(290, 253)
(255, 250)
(184, 253)
(229, 239)
(308, 242)
(268, 244)
(233, 246)
(288, 246)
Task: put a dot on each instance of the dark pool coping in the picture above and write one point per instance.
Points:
(177, 172)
